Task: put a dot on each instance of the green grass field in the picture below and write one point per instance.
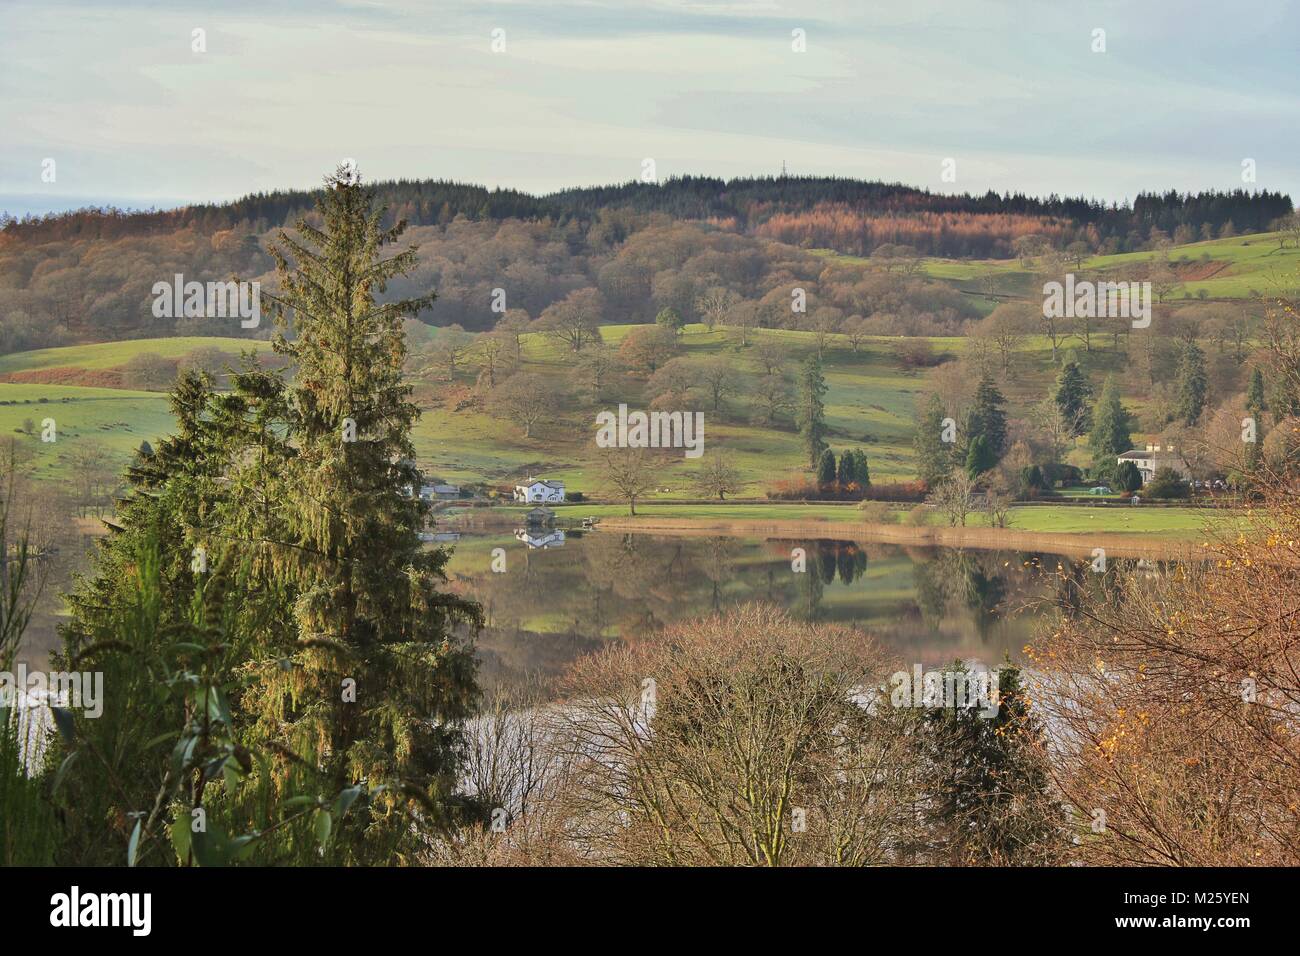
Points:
(113, 354)
(1243, 267)
(869, 406)
(1182, 523)
(117, 418)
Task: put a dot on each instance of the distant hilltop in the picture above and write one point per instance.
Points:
(789, 208)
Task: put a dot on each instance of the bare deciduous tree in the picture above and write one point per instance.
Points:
(738, 740)
(574, 321)
(717, 476)
(527, 399)
(954, 497)
(715, 305)
(629, 473)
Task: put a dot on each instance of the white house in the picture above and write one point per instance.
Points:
(1153, 459)
(538, 489)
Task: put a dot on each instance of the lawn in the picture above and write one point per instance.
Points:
(118, 418)
(113, 354)
(1243, 267)
(870, 406)
(1058, 519)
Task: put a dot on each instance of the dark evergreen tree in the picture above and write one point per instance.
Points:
(1193, 385)
(1127, 477)
(987, 418)
(934, 456)
(812, 411)
(1110, 436)
(862, 470)
(846, 472)
(1167, 483)
(1073, 397)
(826, 472)
(1256, 400)
(1256, 406)
(979, 456)
(991, 795)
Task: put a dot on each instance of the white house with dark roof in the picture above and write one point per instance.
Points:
(539, 489)
(1153, 459)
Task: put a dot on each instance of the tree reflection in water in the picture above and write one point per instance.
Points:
(931, 605)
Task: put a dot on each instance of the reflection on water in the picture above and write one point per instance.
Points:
(541, 537)
(563, 596)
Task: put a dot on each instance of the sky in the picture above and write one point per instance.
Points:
(1015, 93)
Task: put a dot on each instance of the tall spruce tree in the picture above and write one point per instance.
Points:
(350, 670)
(369, 681)
(1193, 384)
(988, 418)
(934, 456)
(812, 411)
(826, 472)
(1256, 402)
(1110, 436)
(1073, 395)
(1256, 405)
(979, 456)
(862, 470)
(846, 471)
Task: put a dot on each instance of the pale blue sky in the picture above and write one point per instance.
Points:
(586, 90)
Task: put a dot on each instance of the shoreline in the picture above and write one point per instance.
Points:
(1117, 544)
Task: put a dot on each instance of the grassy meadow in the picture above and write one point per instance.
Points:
(869, 406)
(117, 418)
(104, 355)
(1181, 523)
(1243, 267)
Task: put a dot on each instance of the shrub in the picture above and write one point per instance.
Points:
(1127, 477)
(897, 491)
(1166, 483)
(876, 512)
(793, 489)
(1058, 472)
(918, 517)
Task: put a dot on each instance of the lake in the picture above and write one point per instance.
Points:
(558, 594)
(564, 593)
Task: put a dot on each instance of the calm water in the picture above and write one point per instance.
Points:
(565, 594)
